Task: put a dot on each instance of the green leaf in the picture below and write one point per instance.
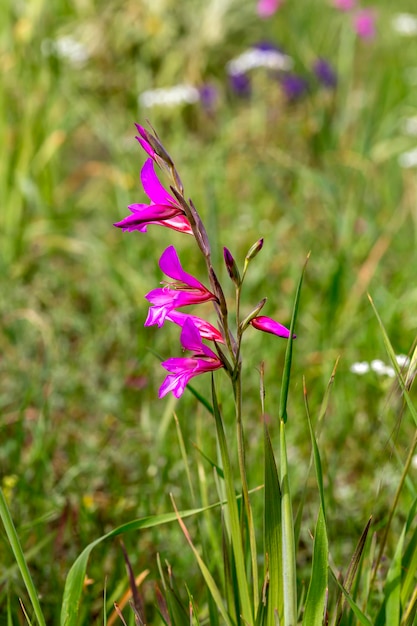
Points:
(363, 620)
(288, 354)
(14, 542)
(75, 579)
(395, 365)
(317, 590)
(272, 535)
(232, 510)
(351, 572)
(288, 539)
(393, 586)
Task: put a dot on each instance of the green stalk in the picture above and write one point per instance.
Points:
(245, 490)
(236, 538)
(288, 540)
(20, 558)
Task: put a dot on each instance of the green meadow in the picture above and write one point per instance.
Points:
(85, 444)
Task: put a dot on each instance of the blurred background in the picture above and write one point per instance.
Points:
(296, 123)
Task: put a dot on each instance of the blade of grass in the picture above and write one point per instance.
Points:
(351, 572)
(288, 354)
(288, 541)
(272, 534)
(317, 590)
(16, 548)
(360, 616)
(75, 579)
(236, 539)
(393, 586)
(214, 590)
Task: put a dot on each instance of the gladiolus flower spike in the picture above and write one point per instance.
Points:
(184, 291)
(182, 369)
(164, 209)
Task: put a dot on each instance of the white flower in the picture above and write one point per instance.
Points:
(67, 48)
(170, 96)
(272, 59)
(409, 126)
(360, 368)
(405, 24)
(408, 159)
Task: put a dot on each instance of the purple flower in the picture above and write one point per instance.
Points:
(364, 24)
(182, 369)
(208, 97)
(240, 84)
(184, 291)
(294, 86)
(268, 325)
(268, 46)
(163, 209)
(267, 8)
(206, 330)
(325, 73)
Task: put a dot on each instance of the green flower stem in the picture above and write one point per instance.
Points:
(288, 540)
(20, 558)
(245, 490)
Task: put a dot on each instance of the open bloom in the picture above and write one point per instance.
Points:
(185, 290)
(182, 369)
(268, 325)
(206, 330)
(163, 209)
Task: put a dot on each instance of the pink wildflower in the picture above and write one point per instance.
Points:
(182, 369)
(184, 291)
(364, 24)
(163, 209)
(267, 8)
(344, 5)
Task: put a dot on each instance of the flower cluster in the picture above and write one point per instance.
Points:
(183, 290)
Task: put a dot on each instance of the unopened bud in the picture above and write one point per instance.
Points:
(231, 266)
(254, 313)
(253, 251)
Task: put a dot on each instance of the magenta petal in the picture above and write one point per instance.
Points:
(268, 325)
(206, 330)
(153, 188)
(171, 266)
(144, 142)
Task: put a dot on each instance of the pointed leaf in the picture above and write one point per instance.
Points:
(317, 590)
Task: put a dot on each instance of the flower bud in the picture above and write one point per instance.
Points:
(253, 251)
(231, 266)
(253, 314)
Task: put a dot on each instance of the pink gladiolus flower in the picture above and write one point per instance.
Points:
(344, 5)
(364, 24)
(206, 330)
(267, 8)
(163, 209)
(183, 369)
(269, 325)
(184, 291)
